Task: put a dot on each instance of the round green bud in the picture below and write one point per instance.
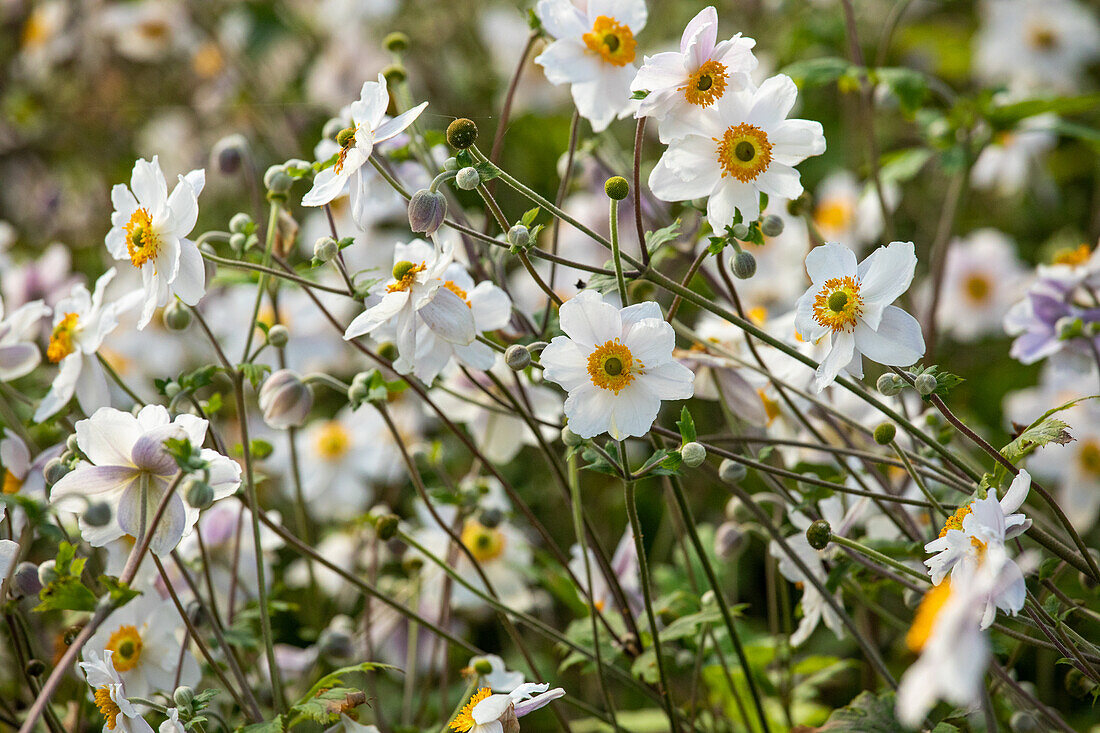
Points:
(885, 432)
(743, 265)
(183, 696)
(1023, 722)
(97, 514)
(278, 335)
(517, 357)
(395, 74)
(483, 667)
(740, 231)
(172, 389)
(386, 526)
(570, 438)
(771, 226)
(888, 385)
(228, 153)
(325, 249)
(1077, 684)
(239, 221)
(731, 471)
(925, 384)
(395, 42)
(388, 351)
(199, 494)
(72, 443)
(427, 210)
(450, 164)
(519, 236)
(54, 470)
(468, 179)
(616, 188)
(491, 518)
(35, 667)
(693, 454)
(177, 316)
(401, 269)
(819, 534)
(47, 573)
(358, 393)
(276, 179)
(297, 164)
(462, 133)
(237, 241)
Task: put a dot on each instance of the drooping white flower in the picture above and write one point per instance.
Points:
(127, 463)
(594, 53)
(743, 146)
(369, 127)
(970, 534)
(489, 713)
(982, 279)
(142, 640)
(616, 364)
(19, 354)
(109, 693)
(149, 228)
(682, 84)
(852, 304)
(80, 323)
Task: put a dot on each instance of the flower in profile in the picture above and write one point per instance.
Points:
(285, 400)
(594, 53)
(129, 468)
(109, 693)
(616, 364)
(369, 127)
(149, 229)
(489, 713)
(682, 84)
(80, 323)
(743, 146)
(19, 354)
(851, 304)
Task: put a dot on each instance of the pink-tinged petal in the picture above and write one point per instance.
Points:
(565, 364)
(225, 473)
(772, 102)
(697, 42)
(843, 348)
(830, 261)
(17, 360)
(588, 320)
(150, 454)
(171, 528)
(391, 128)
(148, 184)
(528, 706)
(87, 480)
(896, 342)
(561, 18)
(795, 140)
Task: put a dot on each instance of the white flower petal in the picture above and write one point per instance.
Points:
(896, 342)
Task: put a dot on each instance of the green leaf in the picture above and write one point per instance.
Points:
(903, 165)
(866, 714)
(66, 592)
(260, 448)
(120, 593)
(1043, 430)
(816, 72)
(640, 94)
(1010, 113)
(908, 85)
(254, 373)
(653, 240)
(271, 726)
(686, 425)
(337, 677)
(529, 216)
(486, 171)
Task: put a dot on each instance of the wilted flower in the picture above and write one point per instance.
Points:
(285, 399)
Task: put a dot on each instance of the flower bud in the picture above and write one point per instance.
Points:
(728, 540)
(177, 316)
(228, 153)
(925, 384)
(386, 526)
(743, 265)
(237, 242)
(336, 643)
(54, 471)
(483, 667)
(462, 133)
(285, 399)
(885, 432)
(616, 188)
(35, 667)
(1023, 721)
(172, 389)
(519, 236)
(427, 210)
(72, 444)
(818, 534)
(468, 179)
(517, 357)
(693, 454)
(276, 179)
(199, 494)
(395, 42)
(450, 164)
(25, 579)
(731, 471)
(740, 231)
(47, 573)
(889, 384)
(238, 223)
(278, 335)
(395, 74)
(570, 438)
(325, 249)
(183, 696)
(771, 226)
(97, 514)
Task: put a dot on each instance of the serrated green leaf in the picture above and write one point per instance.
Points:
(866, 714)
(654, 240)
(686, 425)
(254, 373)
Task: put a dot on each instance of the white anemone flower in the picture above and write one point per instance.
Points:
(80, 323)
(983, 278)
(368, 128)
(682, 84)
(8, 552)
(172, 724)
(149, 228)
(128, 465)
(850, 213)
(498, 677)
(143, 641)
(743, 146)
(489, 713)
(616, 364)
(19, 355)
(109, 693)
(969, 534)
(1013, 159)
(852, 303)
(417, 294)
(594, 53)
(22, 473)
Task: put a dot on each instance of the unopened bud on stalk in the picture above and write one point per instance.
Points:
(693, 454)
(325, 249)
(483, 667)
(740, 231)
(239, 221)
(925, 384)
(278, 336)
(731, 471)
(47, 573)
(885, 432)
(570, 438)
(25, 579)
(199, 494)
(395, 42)
(743, 265)
(491, 518)
(54, 470)
(228, 153)
(427, 210)
(183, 696)
(771, 226)
(276, 179)
(97, 514)
(819, 534)
(35, 667)
(177, 316)
(517, 357)
(616, 188)
(285, 399)
(462, 133)
(395, 74)
(728, 540)
(450, 164)
(237, 241)
(889, 384)
(468, 179)
(386, 526)
(519, 236)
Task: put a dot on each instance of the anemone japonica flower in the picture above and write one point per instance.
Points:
(983, 278)
(22, 473)
(594, 53)
(19, 355)
(80, 323)
(417, 295)
(128, 464)
(1013, 158)
(682, 84)
(109, 693)
(369, 127)
(1048, 322)
(850, 213)
(969, 534)
(149, 228)
(852, 303)
(616, 364)
(8, 552)
(497, 677)
(743, 146)
(489, 713)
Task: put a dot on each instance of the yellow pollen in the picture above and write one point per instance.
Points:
(758, 314)
(771, 407)
(838, 304)
(929, 608)
(407, 278)
(612, 366)
(612, 40)
(12, 483)
(345, 148)
(126, 645)
(61, 338)
(744, 152)
(332, 440)
(833, 215)
(706, 85)
(449, 284)
(142, 241)
(484, 543)
(37, 31)
(955, 521)
(978, 287)
(1043, 38)
(207, 61)
(108, 707)
(1073, 255)
(464, 721)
